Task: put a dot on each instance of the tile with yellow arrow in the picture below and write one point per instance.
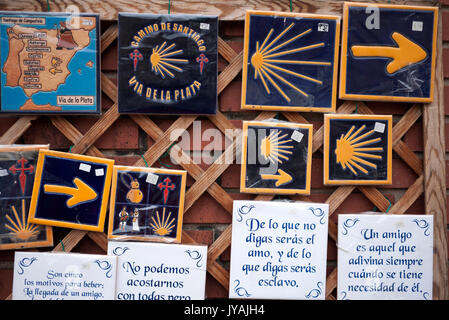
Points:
(71, 190)
(276, 157)
(388, 52)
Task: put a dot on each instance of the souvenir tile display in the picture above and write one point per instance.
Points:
(146, 204)
(357, 149)
(159, 271)
(71, 190)
(167, 63)
(50, 63)
(388, 52)
(63, 276)
(290, 61)
(17, 170)
(276, 157)
(278, 250)
(385, 257)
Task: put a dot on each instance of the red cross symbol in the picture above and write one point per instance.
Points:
(202, 59)
(22, 169)
(166, 188)
(136, 56)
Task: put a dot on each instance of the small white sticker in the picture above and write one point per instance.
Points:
(204, 26)
(323, 27)
(152, 178)
(3, 172)
(379, 127)
(297, 136)
(99, 172)
(85, 167)
(417, 26)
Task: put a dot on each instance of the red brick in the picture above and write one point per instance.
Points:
(125, 160)
(88, 245)
(208, 210)
(6, 276)
(446, 99)
(388, 108)
(42, 131)
(229, 99)
(214, 290)
(6, 123)
(446, 62)
(232, 28)
(109, 58)
(205, 237)
(445, 18)
(357, 203)
(123, 134)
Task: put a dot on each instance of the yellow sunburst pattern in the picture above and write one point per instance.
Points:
(161, 60)
(275, 146)
(162, 226)
(19, 225)
(354, 147)
(265, 61)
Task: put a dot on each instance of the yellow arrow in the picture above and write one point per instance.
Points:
(54, 71)
(405, 53)
(282, 178)
(80, 194)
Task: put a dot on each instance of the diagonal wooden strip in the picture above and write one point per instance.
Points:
(409, 197)
(409, 157)
(70, 240)
(100, 239)
(72, 133)
(333, 230)
(224, 125)
(376, 197)
(109, 87)
(407, 120)
(220, 244)
(230, 72)
(215, 190)
(187, 239)
(17, 129)
(92, 135)
(166, 139)
(219, 273)
(108, 37)
(225, 50)
(331, 282)
(337, 197)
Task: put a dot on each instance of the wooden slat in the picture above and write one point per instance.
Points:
(435, 175)
(108, 37)
(70, 241)
(226, 10)
(17, 130)
(96, 130)
(230, 72)
(72, 133)
(225, 50)
(100, 239)
(409, 197)
(331, 282)
(165, 140)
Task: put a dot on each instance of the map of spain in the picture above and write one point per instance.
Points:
(51, 61)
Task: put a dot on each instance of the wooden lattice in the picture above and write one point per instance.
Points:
(430, 170)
